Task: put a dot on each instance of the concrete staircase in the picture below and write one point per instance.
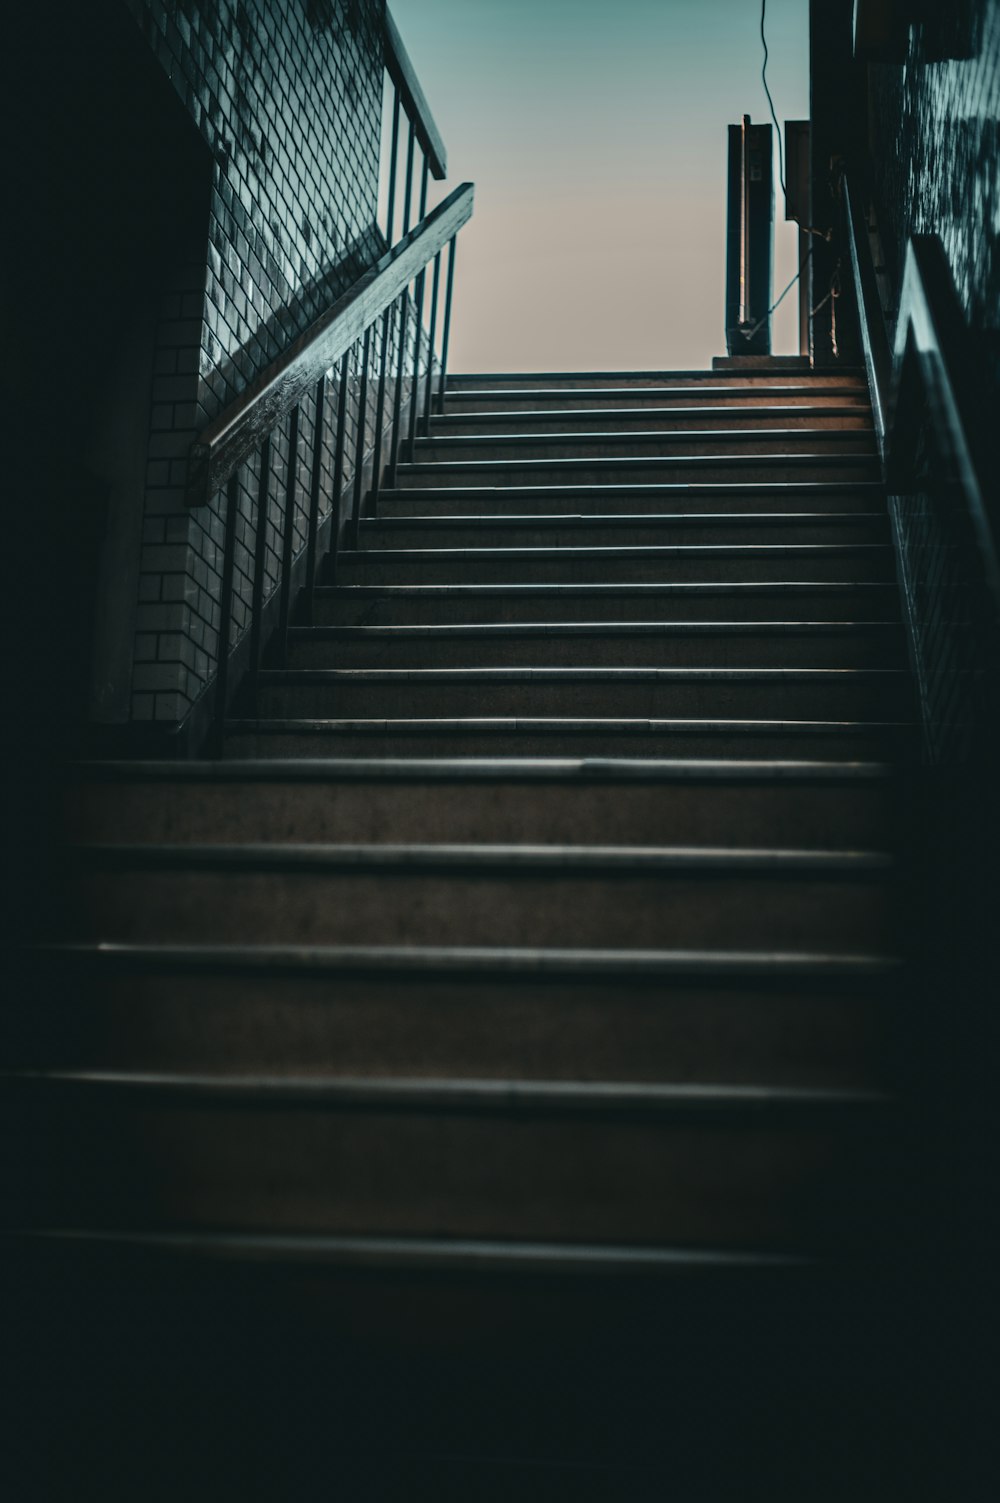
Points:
(542, 919)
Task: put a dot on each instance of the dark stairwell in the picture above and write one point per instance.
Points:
(496, 1060)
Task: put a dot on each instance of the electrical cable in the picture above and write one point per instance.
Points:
(767, 91)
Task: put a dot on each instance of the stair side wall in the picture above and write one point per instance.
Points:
(288, 98)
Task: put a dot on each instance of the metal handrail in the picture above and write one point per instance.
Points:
(922, 382)
(403, 75)
(242, 427)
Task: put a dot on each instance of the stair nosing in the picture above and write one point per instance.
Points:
(741, 966)
(573, 861)
(453, 1254)
(575, 770)
(504, 1097)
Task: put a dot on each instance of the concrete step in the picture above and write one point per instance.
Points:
(815, 416)
(605, 500)
(619, 693)
(527, 896)
(731, 1166)
(701, 380)
(802, 804)
(843, 740)
(787, 644)
(590, 444)
(662, 564)
(627, 469)
(727, 398)
(509, 530)
(686, 1017)
(455, 604)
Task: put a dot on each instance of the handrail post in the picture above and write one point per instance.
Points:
(390, 214)
(338, 462)
(315, 483)
(359, 448)
(408, 194)
(421, 281)
(383, 364)
(225, 614)
(288, 537)
(397, 406)
(446, 335)
(259, 561)
(429, 388)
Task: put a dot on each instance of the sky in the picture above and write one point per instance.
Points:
(595, 133)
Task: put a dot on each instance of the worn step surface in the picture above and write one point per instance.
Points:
(741, 1166)
(685, 1016)
(828, 805)
(670, 444)
(651, 564)
(560, 896)
(792, 644)
(715, 693)
(456, 604)
(769, 464)
(509, 530)
(599, 736)
(583, 500)
(675, 416)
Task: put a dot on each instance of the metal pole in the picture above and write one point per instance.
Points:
(259, 561)
(397, 406)
(421, 280)
(359, 448)
(288, 537)
(338, 462)
(390, 214)
(383, 365)
(315, 485)
(408, 197)
(429, 390)
(446, 336)
(225, 614)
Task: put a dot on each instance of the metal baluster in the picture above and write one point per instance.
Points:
(429, 391)
(338, 462)
(408, 196)
(359, 451)
(390, 214)
(259, 561)
(231, 513)
(397, 408)
(288, 537)
(315, 487)
(383, 366)
(446, 336)
(421, 280)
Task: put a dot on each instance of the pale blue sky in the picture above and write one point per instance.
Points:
(595, 132)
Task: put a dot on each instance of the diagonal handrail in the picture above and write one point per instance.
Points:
(929, 329)
(238, 431)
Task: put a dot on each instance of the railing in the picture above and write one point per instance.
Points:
(316, 431)
(931, 429)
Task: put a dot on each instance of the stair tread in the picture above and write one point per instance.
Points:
(485, 520)
(271, 676)
(536, 769)
(573, 860)
(859, 407)
(624, 550)
(676, 488)
(449, 1253)
(664, 436)
(491, 961)
(485, 1094)
(589, 628)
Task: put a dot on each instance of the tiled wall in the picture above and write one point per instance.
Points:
(935, 143)
(934, 139)
(288, 95)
